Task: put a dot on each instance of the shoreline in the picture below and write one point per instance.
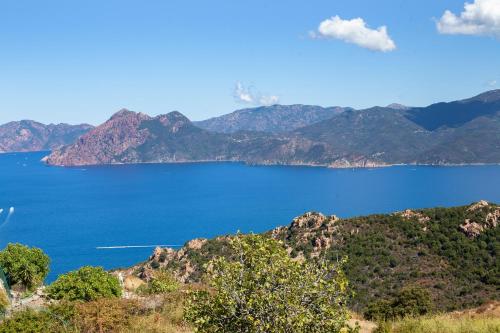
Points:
(311, 165)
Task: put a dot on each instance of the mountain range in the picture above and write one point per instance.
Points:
(28, 135)
(459, 132)
(273, 119)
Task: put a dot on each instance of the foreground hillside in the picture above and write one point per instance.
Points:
(405, 269)
(451, 252)
(27, 135)
(460, 132)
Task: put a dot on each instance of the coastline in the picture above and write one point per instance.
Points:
(343, 164)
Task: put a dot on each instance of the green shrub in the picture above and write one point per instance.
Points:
(264, 290)
(162, 282)
(33, 322)
(410, 301)
(87, 284)
(23, 265)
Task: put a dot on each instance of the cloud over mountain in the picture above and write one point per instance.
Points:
(356, 31)
(248, 95)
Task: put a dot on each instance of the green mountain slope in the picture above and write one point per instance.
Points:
(452, 252)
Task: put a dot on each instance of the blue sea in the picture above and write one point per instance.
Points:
(71, 212)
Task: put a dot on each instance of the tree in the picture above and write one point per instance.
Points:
(24, 265)
(263, 290)
(87, 284)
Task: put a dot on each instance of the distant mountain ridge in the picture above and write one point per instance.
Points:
(28, 135)
(273, 119)
(461, 132)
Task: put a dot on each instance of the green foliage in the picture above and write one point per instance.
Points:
(411, 301)
(103, 316)
(34, 322)
(264, 290)
(389, 252)
(162, 282)
(24, 265)
(87, 283)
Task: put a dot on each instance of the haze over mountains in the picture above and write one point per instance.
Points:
(459, 132)
(274, 118)
(28, 135)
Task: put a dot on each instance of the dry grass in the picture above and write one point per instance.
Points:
(485, 319)
(167, 318)
(445, 324)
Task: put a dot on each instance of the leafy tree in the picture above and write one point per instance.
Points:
(87, 284)
(24, 265)
(263, 290)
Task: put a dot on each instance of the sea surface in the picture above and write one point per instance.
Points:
(71, 212)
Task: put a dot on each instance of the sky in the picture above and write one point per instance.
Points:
(81, 61)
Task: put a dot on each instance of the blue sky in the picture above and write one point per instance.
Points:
(80, 61)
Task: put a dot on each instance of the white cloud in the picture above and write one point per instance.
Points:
(356, 31)
(492, 83)
(479, 18)
(248, 95)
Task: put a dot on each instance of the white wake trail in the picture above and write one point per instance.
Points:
(7, 219)
(134, 246)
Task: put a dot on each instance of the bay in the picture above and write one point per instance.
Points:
(72, 212)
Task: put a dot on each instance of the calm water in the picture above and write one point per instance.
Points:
(68, 212)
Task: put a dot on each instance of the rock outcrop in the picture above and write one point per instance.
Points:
(483, 217)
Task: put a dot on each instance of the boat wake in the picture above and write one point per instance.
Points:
(7, 219)
(135, 246)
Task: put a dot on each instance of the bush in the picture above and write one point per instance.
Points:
(264, 290)
(410, 301)
(162, 282)
(86, 284)
(105, 315)
(24, 265)
(33, 322)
